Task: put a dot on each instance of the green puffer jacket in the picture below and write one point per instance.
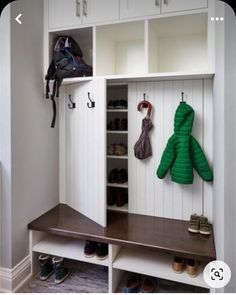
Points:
(183, 152)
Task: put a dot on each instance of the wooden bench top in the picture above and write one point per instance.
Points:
(130, 230)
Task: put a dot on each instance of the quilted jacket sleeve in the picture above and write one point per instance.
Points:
(167, 158)
(199, 161)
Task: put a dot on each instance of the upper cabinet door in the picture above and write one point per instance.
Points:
(95, 11)
(180, 5)
(139, 8)
(64, 13)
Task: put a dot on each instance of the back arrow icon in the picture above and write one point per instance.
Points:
(18, 18)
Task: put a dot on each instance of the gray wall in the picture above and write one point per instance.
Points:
(5, 139)
(225, 140)
(33, 177)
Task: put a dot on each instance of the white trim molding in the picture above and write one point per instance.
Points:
(11, 280)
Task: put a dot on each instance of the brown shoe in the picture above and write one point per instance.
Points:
(194, 224)
(120, 149)
(205, 227)
(178, 264)
(111, 150)
(111, 196)
(192, 267)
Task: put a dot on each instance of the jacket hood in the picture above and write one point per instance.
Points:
(184, 117)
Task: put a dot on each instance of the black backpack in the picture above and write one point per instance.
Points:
(67, 62)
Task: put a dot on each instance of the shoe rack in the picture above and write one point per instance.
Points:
(117, 141)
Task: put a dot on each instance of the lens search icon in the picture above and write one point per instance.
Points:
(217, 274)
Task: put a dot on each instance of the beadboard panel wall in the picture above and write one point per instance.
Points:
(152, 196)
(84, 161)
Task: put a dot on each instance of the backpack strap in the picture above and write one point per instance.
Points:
(54, 106)
(47, 88)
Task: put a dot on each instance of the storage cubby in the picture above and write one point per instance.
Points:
(153, 263)
(84, 38)
(117, 134)
(66, 247)
(178, 44)
(120, 49)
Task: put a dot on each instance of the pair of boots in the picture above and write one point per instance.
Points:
(49, 266)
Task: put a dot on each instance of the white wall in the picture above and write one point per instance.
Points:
(225, 140)
(5, 139)
(34, 144)
(28, 146)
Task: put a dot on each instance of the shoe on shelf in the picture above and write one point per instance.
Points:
(113, 176)
(90, 248)
(121, 104)
(124, 125)
(117, 124)
(111, 104)
(111, 149)
(46, 267)
(61, 272)
(149, 285)
(194, 224)
(111, 196)
(133, 284)
(192, 267)
(205, 227)
(102, 251)
(121, 197)
(120, 149)
(178, 264)
(111, 125)
(122, 176)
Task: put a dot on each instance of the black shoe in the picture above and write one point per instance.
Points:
(112, 178)
(111, 196)
(122, 176)
(121, 197)
(102, 251)
(111, 126)
(90, 249)
(46, 267)
(117, 124)
(111, 104)
(124, 125)
(121, 104)
(61, 273)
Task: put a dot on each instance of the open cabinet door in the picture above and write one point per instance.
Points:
(82, 154)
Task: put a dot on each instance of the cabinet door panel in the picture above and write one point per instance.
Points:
(64, 13)
(85, 153)
(100, 11)
(180, 5)
(138, 8)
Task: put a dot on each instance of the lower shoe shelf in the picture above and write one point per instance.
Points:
(70, 248)
(155, 264)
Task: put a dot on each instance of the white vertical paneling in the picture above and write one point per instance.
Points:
(85, 146)
(132, 138)
(178, 188)
(208, 146)
(140, 165)
(100, 151)
(168, 131)
(62, 146)
(149, 162)
(148, 194)
(197, 104)
(158, 146)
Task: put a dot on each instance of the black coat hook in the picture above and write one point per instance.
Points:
(92, 102)
(182, 94)
(72, 105)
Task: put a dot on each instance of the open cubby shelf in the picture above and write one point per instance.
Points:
(70, 248)
(177, 44)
